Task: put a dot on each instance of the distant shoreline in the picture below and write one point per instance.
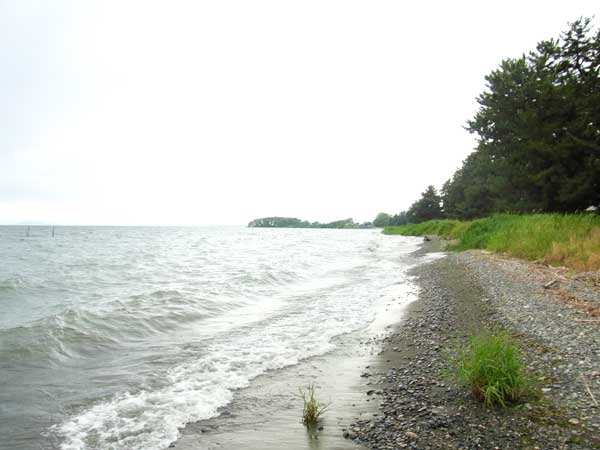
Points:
(293, 222)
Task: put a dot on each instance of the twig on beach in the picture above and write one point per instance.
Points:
(587, 320)
(587, 387)
(549, 284)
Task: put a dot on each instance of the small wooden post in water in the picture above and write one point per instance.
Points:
(52, 230)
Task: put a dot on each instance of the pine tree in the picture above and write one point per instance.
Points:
(428, 207)
(538, 129)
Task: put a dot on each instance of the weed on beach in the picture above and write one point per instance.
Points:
(490, 365)
(313, 409)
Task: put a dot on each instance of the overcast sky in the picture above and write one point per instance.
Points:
(126, 112)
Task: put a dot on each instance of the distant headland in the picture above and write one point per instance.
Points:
(292, 222)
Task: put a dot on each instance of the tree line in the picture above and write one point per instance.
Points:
(538, 137)
(293, 222)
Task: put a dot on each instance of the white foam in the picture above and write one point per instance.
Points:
(298, 327)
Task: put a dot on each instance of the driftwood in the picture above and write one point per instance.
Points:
(551, 283)
(587, 387)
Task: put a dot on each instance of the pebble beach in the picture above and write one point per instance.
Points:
(552, 315)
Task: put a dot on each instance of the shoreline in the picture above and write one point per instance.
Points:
(266, 415)
(465, 293)
(386, 384)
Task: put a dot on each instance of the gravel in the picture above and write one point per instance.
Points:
(462, 294)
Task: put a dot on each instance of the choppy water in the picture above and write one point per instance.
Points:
(114, 338)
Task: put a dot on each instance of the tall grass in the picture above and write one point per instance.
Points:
(568, 240)
(313, 409)
(491, 367)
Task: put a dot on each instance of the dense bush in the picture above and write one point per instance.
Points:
(490, 366)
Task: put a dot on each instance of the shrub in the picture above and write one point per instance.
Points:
(313, 409)
(490, 365)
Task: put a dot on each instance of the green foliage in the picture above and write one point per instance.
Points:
(538, 129)
(279, 222)
(569, 240)
(399, 219)
(443, 228)
(428, 207)
(345, 223)
(382, 220)
(313, 409)
(292, 222)
(490, 365)
(385, 220)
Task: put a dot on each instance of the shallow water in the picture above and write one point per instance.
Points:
(116, 337)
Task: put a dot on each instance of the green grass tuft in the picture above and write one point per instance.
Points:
(568, 240)
(313, 409)
(491, 367)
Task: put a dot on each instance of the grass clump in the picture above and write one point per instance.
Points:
(491, 366)
(571, 240)
(313, 409)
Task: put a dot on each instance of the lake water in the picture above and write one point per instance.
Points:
(117, 337)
